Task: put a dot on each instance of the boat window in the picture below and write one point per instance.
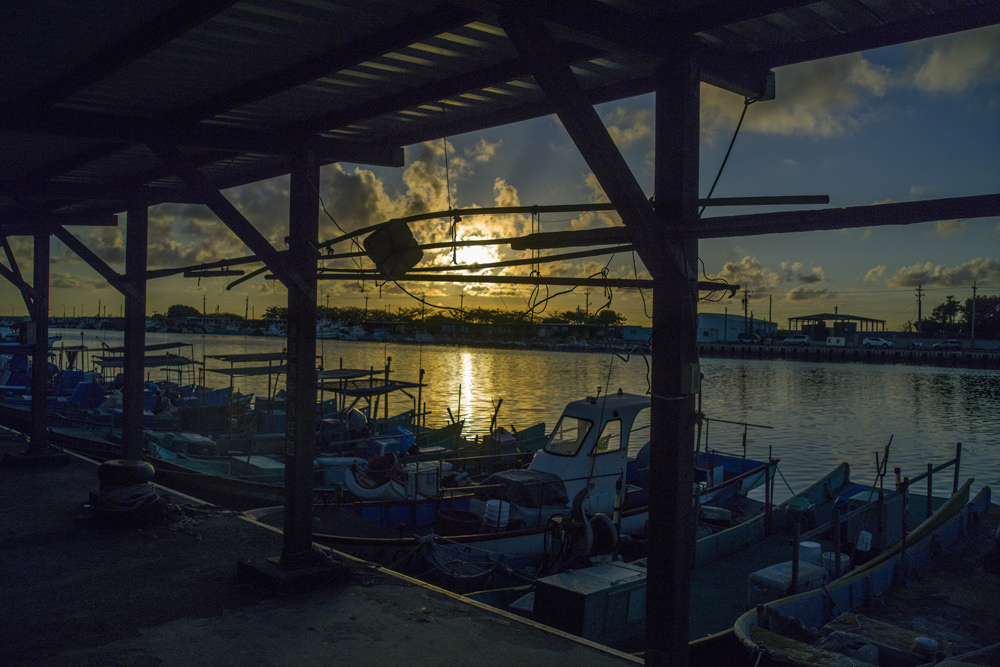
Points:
(610, 439)
(568, 435)
(640, 432)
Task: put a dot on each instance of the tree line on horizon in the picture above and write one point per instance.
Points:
(951, 319)
(422, 313)
(954, 319)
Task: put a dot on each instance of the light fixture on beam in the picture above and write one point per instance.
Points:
(393, 249)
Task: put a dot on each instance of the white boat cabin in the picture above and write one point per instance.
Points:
(590, 445)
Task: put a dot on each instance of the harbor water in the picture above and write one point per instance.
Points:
(817, 414)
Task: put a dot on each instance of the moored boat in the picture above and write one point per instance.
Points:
(742, 567)
(572, 502)
(927, 599)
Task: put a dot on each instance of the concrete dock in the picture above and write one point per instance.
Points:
(77, 591)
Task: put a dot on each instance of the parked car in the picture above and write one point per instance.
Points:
(747, 338)
(797, 339)
(874, 341)
(952, 344)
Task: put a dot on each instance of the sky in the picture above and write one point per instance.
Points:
(916, 121)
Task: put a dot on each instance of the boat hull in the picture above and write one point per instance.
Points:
(870, 582)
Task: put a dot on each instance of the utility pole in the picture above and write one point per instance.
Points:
(920, 296)
(972, 342)
(746, 307)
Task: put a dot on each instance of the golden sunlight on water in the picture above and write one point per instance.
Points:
(819, 414)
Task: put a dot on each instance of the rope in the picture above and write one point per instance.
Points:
(963, 656)
(126, 499)
(787, 485)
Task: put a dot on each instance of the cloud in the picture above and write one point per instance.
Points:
(811, 277)
(628, 127)
(929, 274)
(949, 227)
(595, 195)
(822, 98)
(751, 274)
(801, 293)
(957, 63)
(795, 271)
(836, 96)
(875, 275)
(482, 150)
(108, 243)
(61, 280)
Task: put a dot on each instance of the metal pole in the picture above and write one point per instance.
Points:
(958, 461)
(930, 489)
(836, 542)
(794, 586)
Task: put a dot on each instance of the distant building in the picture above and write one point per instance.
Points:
(823, 326)
(724, 327)
(633, 334)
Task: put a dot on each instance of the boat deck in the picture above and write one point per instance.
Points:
(954, 599)
(77, 593)
(720, 588)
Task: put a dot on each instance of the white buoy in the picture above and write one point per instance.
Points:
(497, 513)
(810, 552)
(830, 560)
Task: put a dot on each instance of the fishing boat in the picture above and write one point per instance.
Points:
(751, 564)
(199, 465)
(570, 503)
(931, 597)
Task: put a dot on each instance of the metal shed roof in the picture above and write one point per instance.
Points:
(92, 92)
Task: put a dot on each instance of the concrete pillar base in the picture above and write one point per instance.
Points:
(311, 572)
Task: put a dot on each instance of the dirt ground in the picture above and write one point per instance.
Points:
(78, 592)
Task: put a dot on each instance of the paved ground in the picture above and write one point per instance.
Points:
(76, 592)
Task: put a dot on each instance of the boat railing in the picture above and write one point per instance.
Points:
(738, 479)
(746, 427)
(929, 476)
(833, 528)
(838, 521)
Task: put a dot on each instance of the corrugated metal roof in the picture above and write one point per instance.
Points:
(240, 86)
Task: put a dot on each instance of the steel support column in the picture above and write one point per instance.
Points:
(135, 330)
(38, 339)
(675, 373)
(303, 230)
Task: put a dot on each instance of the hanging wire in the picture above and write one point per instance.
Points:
(354, 240)
(423, 300)
(747, 101)
(720, 281)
